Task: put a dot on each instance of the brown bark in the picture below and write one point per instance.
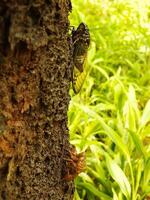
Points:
(34, 97)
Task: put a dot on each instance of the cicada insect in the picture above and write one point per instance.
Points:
(81, 42)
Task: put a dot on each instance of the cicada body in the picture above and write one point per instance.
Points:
(81, 42)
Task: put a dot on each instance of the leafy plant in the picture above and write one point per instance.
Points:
(110, 117)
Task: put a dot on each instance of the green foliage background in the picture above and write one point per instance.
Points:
(110, 117)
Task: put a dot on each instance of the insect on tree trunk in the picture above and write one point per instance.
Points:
(34, 95)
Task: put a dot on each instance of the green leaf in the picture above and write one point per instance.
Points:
(138, 143)
(115, 197)
(108, 131)
(76, 195)
(102, 71)
(95, 191)
(119, 176)
(146, 115)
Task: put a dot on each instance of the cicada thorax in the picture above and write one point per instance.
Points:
(81, 42)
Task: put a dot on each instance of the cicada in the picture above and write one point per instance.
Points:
(81, 42)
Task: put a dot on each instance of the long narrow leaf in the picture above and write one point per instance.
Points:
(119, 176)
(109, 131)
(146, 114)
(95, 191)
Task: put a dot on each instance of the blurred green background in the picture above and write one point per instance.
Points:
(110, 118)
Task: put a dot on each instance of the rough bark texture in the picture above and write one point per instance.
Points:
(34, 87)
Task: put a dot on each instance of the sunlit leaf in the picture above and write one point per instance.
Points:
(119, 176)
(146, 114)
(95, 191)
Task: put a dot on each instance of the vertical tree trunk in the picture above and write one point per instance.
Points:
(34, 97)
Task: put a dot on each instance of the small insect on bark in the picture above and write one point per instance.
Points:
(75, 164)
(81, 42)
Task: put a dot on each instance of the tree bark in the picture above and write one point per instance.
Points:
(34, 95)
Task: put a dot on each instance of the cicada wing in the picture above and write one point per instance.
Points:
(74, 75)
(79, 56)
(78, 79)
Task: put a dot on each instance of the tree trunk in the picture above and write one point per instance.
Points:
(34, 96)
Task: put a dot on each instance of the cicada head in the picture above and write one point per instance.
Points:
(81, 33)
